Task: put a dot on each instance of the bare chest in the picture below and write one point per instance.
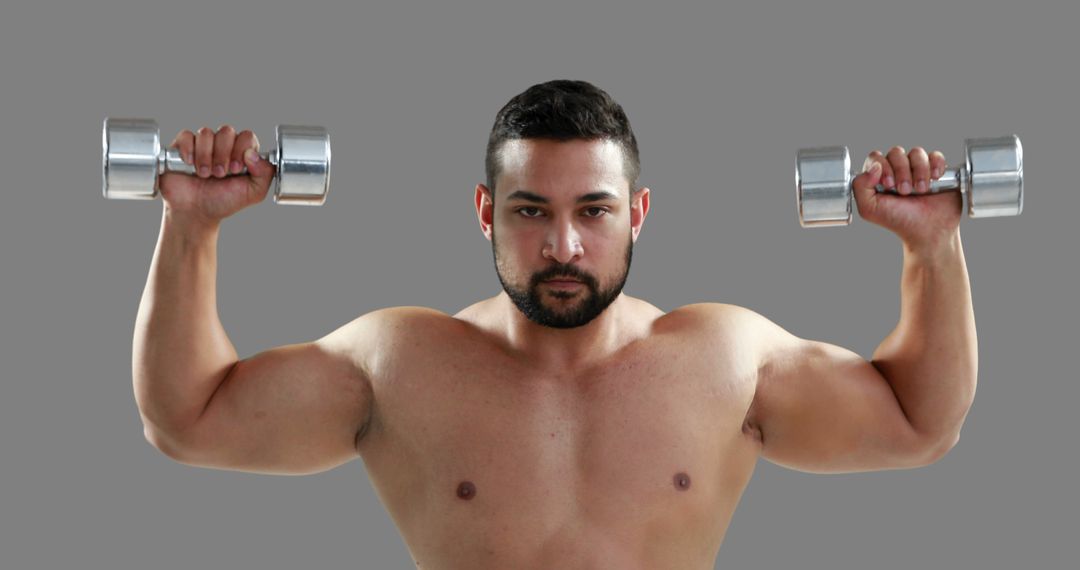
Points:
(471, 453)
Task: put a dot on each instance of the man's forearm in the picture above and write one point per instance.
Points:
(931, 358)
(181, 353)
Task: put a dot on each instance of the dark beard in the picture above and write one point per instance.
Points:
(595, 302)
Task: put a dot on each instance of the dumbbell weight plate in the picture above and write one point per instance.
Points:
(822, 186)
(129, 159)
(303, 161)
(996, 184)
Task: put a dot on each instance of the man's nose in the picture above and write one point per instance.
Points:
(563, 244)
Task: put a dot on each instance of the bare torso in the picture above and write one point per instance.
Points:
(635, 463)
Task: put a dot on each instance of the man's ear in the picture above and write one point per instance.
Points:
(485, 211)
(639, 208)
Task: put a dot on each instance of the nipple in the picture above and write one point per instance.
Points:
(466, 490)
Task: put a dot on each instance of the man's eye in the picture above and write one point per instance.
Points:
(532, 212)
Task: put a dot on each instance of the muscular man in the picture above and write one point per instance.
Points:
(561, 423)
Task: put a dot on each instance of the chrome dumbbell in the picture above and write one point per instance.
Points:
(992, 177)
(132, 160)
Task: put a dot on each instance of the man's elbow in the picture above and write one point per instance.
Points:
(939, 449)
(167, 445)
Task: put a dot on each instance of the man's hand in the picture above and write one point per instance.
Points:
(215, 191)
(917, 216)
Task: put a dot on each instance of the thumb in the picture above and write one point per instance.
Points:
(864, 187)
(261, 172)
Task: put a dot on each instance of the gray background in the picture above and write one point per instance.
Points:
(720, 98)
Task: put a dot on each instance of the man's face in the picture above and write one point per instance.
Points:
(562, 212)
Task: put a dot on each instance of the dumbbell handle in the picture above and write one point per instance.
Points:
(952, 180)
(169, 160)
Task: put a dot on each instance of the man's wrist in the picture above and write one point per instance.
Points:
(191, 228)
(934, 249)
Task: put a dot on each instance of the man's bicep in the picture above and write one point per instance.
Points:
(291, 410)
(821, 408)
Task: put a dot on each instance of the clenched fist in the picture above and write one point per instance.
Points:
(218, 189)
(915, 214)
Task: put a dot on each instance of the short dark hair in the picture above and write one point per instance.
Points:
(563, 109)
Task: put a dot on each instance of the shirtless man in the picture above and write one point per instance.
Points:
(561, 423)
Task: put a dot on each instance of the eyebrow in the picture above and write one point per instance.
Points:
(590, 197)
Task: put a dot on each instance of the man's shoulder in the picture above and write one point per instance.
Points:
(394, 336)
(405, 313)
(710, 315)
(726, 327)
(390, 327)
(746, 323)
(410, 320)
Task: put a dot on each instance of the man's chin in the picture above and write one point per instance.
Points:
(561, 308)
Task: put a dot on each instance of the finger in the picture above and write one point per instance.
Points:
(204, 149)
(244, 140)
(920, 169)
(223, 146)
(185, 144)
(937, 164)
(901, 169)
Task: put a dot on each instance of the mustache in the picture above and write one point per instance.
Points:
(567, 273)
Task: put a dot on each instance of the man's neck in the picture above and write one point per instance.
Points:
(564, 349)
